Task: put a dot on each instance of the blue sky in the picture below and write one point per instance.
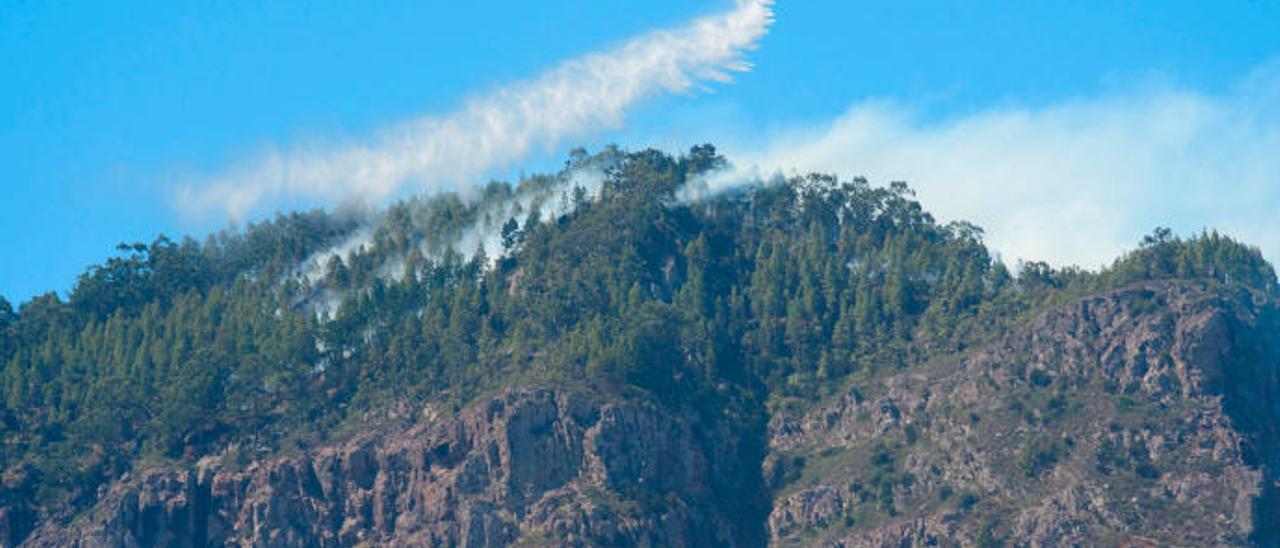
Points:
(108, 111)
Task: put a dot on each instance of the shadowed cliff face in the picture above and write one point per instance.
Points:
(1137, 417)
(532, 466)
(1133, 417)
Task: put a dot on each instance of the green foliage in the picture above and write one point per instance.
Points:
(1040, 378)
(1039, 454)
(178, 349)
(1209, 256)
(986, 536)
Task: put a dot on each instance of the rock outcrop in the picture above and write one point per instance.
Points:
(1126, 418)
(533, 465)
(1133, 418)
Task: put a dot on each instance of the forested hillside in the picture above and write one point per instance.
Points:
(744, 312)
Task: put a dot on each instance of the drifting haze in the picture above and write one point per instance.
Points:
(1076, 182)
(1073, 182)
(581, 97)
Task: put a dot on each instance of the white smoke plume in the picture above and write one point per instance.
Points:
(486, 233)
(550, 202)
(581, 97)
(1076, 182)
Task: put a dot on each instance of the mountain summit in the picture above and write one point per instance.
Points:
(606, 356)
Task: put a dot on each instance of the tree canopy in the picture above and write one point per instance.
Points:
(175, 350)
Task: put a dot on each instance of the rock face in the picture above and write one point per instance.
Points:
(1140, 417)
(533, 466)
(1127, 418)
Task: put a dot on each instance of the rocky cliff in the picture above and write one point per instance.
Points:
(1129, 418)
(529, 467)
(1137, 417)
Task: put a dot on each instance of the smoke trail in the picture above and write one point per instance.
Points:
(486, 233)
(1074, 182)
(580, 97)
(731, 177)
(548, 201)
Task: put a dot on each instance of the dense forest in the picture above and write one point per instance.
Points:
(264, 340)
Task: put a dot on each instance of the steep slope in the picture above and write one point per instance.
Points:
(528, 466)
(1120, 419)
(804, 361)
(1128, 418)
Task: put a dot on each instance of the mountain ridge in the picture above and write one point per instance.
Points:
(812, 347)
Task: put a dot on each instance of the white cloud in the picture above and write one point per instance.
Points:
(581, 97)
(1076, 182)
